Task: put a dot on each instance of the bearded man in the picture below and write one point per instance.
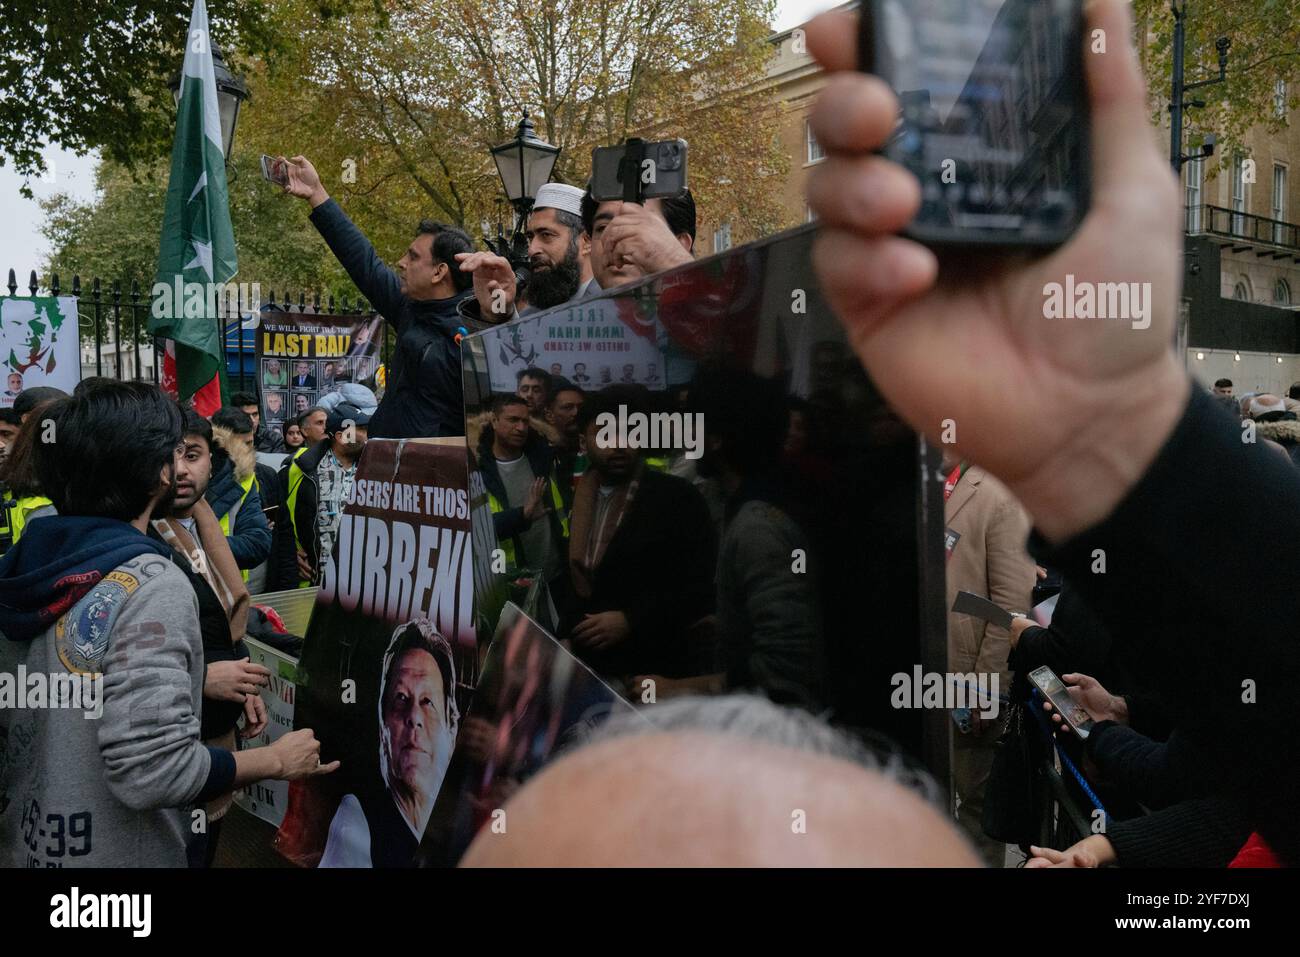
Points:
(559, 250)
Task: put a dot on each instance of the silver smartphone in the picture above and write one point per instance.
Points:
(1055, 691)
(275, 170)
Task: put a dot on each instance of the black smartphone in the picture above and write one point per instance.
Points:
(660, 169)
(994, 115)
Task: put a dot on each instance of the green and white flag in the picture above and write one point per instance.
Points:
(198, 245)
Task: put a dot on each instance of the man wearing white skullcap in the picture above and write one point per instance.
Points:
(558, 248)
(558, 254)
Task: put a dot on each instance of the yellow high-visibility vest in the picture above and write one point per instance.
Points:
(557, 503)
(21, 510)
(228, 520)
(291, 502)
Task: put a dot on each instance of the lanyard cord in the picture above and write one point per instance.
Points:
(1065, 759)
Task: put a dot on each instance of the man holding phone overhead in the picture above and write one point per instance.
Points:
(424, 398)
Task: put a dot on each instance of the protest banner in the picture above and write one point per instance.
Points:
(268, 799)
(38, 343)
(392, 656)
(302, 357)
(591, 344)
(535, 702)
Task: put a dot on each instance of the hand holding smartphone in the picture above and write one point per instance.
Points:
(994, 115)
(1055, 691)
(275, 169)
(657, 170)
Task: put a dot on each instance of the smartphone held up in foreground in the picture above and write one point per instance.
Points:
(275, 170)
(994, 115)
(638, 171)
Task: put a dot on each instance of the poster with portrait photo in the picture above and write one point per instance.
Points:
(38, 343)
(363, 368)
(275, 406)
(327, 371)
(391, 657)
(274, 373)
(534, 702)
(295, 350)
(302, 402)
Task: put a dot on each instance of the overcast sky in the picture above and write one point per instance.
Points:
(22, 247)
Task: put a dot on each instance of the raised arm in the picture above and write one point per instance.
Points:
(349, 245)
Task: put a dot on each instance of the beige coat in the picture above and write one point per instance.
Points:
(990, 560)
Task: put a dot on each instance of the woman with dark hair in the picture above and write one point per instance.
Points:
(293, 437)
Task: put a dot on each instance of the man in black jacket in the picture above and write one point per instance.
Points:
(642, 552)
(424, 397)
(1077, 641)
(195, 542)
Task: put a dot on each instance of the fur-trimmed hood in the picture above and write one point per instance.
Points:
(242, 457)
(1285, 431)
(475, 425)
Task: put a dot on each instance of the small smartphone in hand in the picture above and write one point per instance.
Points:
(275, 170)
(994, 115)
(1055, 691)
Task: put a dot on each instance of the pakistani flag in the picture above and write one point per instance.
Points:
(197, 250)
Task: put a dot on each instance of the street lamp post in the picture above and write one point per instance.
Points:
(1176, 103)
(525, 164)
(232, 91)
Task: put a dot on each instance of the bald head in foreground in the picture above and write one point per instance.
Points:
(730, 782)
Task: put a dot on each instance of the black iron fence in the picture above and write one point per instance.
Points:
(113, 319)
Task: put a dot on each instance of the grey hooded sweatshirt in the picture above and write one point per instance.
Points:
(115, 790)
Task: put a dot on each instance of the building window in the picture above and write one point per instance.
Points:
(1238, 193)
(1282, 293)
(1195, 183)
(1279, 201)
(722, 238)
(1279, 98)
(1241, 291)
(814, 149)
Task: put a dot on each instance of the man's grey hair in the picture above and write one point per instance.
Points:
(758, 719)
(574, 222)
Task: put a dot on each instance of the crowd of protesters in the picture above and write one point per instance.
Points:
(130, 576)
(1128, 500)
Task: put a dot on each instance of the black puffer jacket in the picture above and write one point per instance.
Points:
(1285, 430)
(299, 492)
